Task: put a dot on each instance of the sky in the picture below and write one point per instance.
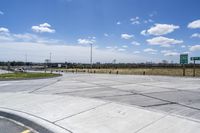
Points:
(128, 31)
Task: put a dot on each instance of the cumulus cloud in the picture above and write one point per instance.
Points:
(124, 46)
(149, 50)
(45, 27)
(183, 46)
(135, 20)
(135, 43)
(1, 13)
(87, 41)
(194, 25)
(148, 21)
(7, 36)
(195, 48)
(126, 36)
(38, 52)
(197, 35)
(163, 41)
(4, 30)
(118, 23)
(169, 53)
(144, 33)
(121, 49)
(160, 29)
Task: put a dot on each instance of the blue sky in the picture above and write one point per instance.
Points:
(125, 30)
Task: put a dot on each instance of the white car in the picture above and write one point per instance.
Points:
(19, 70)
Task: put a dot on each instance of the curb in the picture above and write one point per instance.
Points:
(38, 124)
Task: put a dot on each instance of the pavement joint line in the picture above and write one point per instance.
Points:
(82, 112)
(174, 89)
(153, 122)
(44, 86)
(105, 86)
(37, 117)
(157, 92)
(113, 96)
(171, 102)
(156, 98)
(85, 89)
(154, 105)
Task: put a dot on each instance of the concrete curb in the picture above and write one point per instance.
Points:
(38, 124)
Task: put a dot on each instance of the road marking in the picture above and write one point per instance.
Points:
(26, 131)
(4, 84)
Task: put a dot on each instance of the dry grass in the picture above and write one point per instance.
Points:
(140, 71)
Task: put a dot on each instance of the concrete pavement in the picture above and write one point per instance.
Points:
(94, 103)
(82, 115)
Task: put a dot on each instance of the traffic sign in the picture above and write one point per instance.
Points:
(195, 58)
(184, 59)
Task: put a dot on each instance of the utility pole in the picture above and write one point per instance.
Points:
(50, 62)
(91, 55)
(25, 66)
(194, 69)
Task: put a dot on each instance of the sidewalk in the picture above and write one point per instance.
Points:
(67, 114)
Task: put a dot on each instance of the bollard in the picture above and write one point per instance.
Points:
(144, 73)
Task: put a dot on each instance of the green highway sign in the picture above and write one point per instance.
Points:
(195, 58)
(184, 59)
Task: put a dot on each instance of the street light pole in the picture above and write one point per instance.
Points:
(91, 55)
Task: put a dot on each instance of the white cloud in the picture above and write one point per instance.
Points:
(4, 30)
(121, 49)
(195, 48)
(45, 27)
(125, 46)
(126, 36)
(38, 52)
(148, 21)
(186, 52)
(163, 41)
(106, 35)
(196, 35)
(150, 50)
(144, 33)
(194, 25)
(86, 41)
(160, 29)
(136, 52)
(118, 23)
(1, 13)
(169, 53)
(135, 20)
(135, 43)
(7, 36)
(108, 47)
(153, 14)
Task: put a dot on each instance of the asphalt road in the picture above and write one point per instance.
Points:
(7, 126)
(176, 95)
